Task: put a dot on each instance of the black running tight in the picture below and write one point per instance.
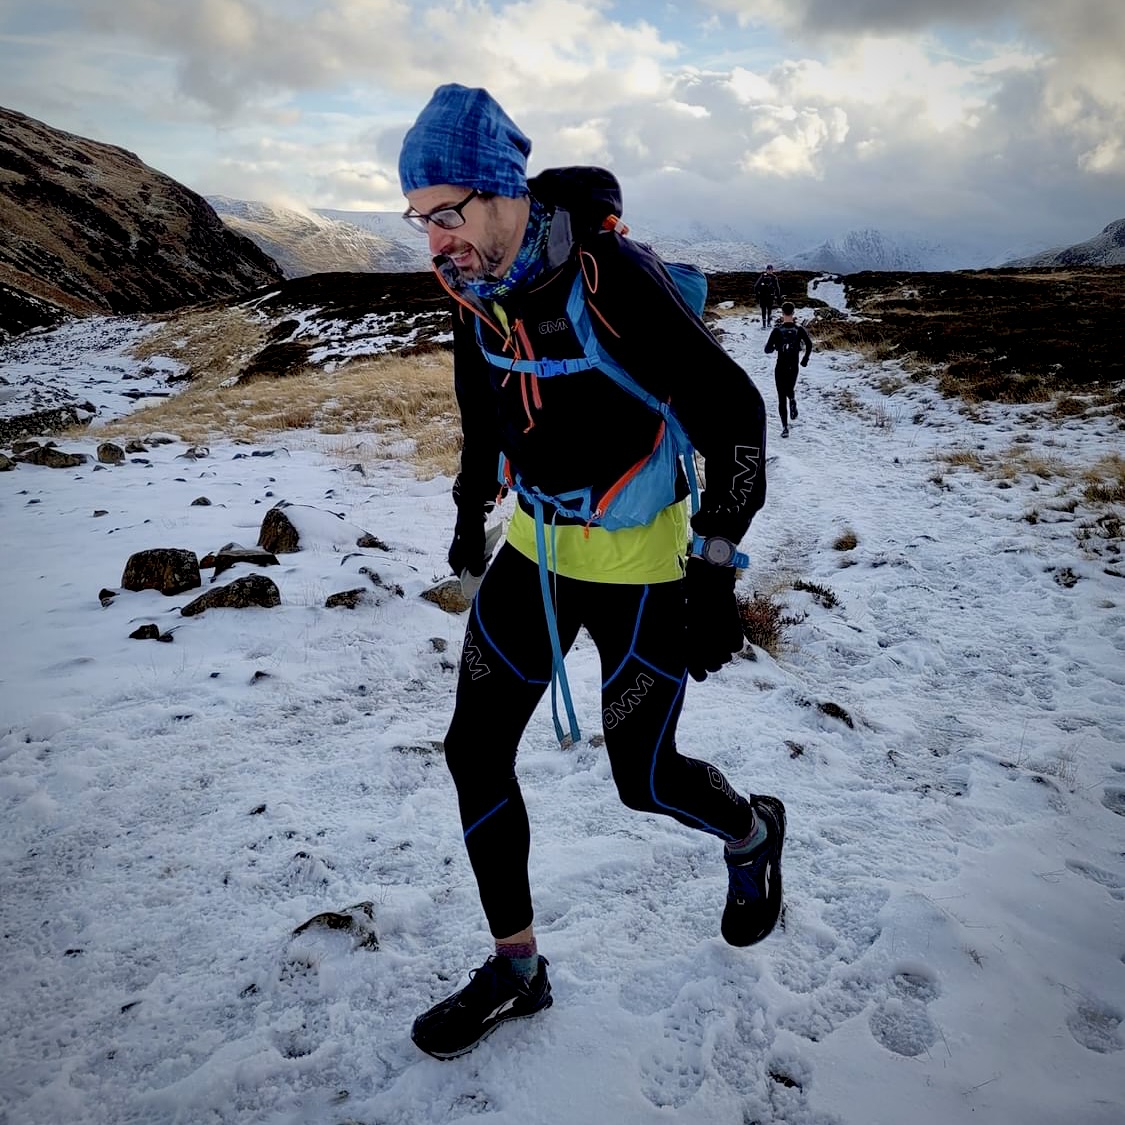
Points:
(786, 383)
(505, 668)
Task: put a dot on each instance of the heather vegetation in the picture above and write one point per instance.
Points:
(1001, 335)
(1046, 335)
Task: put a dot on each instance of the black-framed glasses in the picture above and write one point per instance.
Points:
(448, 218)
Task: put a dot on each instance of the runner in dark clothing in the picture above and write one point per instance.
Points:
(787, 339)
(768, 291)
(523, 261)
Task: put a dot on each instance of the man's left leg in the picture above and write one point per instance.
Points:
(639, 633)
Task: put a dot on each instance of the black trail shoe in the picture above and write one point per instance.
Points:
(784, 431)
(754, 897)
(494, 994)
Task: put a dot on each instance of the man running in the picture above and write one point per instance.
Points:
(600, 536)
(787, 339)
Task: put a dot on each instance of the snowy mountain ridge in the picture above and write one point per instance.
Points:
(305, 242)
(1106, 248)
(870, 249)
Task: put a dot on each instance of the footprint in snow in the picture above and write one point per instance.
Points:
(1114, 799)
(672, 1071)
(319, 955)
(1097, 1027)
(1113, 882)
(900, 1022)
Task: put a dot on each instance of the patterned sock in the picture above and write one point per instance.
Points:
(752, 839)
(523, 957)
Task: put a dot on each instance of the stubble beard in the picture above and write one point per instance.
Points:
(487, 262)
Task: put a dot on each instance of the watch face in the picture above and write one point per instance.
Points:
(718, 551)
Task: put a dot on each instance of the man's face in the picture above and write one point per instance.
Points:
(488, 240)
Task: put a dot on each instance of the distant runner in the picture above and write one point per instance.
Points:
(787, 339)
(767, 289)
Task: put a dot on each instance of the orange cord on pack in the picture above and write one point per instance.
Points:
(592, 287)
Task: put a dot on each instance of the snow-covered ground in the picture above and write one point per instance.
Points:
(83, 363)
(946, 726)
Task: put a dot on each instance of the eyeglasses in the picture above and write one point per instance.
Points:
(448, 218)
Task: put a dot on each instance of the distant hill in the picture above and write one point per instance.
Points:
(1105, 249)
(324, 240)
(861, 250)
(316, 241)
(88, 228)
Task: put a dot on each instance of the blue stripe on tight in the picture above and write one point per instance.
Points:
(485, 817)
(658, 671)
(632, 650)
(652, 769)
(496, 648)
(633, 642)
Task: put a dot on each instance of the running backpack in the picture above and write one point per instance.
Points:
(788, 341)
(592, 197)
(644, 490)
(647, 487)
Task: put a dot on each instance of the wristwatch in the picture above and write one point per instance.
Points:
(719, 551)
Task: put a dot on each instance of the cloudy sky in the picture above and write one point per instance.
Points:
(990, 120)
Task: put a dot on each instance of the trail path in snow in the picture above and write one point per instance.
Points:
(948, 738)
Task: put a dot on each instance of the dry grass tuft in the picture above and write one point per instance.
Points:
(847, 540)
(212, 341)
(408, 399)
(976, 379)
(822, 595)
(1014, 463)
(763, 621)
(408, 402)
(870, 338)
(963, 459)
(1105, 481)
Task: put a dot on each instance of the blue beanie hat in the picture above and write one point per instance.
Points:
(463, 137)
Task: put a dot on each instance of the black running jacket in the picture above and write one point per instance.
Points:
(581, 429)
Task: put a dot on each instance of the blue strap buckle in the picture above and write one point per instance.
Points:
(551, 367)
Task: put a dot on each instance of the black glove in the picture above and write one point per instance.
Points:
(805, 362)
(466, 552)
(714, 629)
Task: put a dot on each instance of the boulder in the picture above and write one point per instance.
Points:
(346, 599)
(225, 557)
(171, 570)
(250, 590)
(110, 454)
(448, 595)
(292, 527)
(277, 534)
(51, 457)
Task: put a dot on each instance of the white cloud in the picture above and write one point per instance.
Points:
(867, 107)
